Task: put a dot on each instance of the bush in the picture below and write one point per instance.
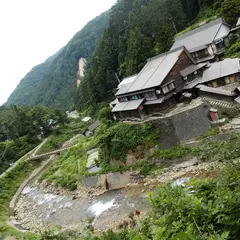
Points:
(233, 51)
(213, 209)
(105, 113)
(118, 139)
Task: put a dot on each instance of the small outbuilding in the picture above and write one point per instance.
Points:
(91, 129)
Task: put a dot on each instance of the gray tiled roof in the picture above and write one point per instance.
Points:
(221, 69)
(95, 125)
(127, 106)
(200, 36)
(123, 89)
(127, 80)
(153, 73)
(192, 69)
(219, 91)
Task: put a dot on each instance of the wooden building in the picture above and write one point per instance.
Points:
(156, 88)
(207, 42)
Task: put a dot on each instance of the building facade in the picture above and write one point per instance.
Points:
(207, 42)
(156, 88)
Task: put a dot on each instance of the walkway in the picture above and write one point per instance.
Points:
(219, 103)
(34, 157)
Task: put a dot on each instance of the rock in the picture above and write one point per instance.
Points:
(130, 160)
(74, 197)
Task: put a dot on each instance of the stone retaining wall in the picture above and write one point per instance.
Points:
(183, 126)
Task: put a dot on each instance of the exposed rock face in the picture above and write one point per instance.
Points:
(81, 67)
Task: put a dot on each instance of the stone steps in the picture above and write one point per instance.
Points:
(219, 103)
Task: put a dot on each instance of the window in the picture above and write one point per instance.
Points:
(134, 97)
(150, 95)
(167, 88)
(220, 45)
(227, 80)
(238, 77)
(123, 99)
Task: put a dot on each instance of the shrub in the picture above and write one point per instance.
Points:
(234, 50)
(118, 139)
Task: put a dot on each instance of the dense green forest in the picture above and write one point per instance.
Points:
(139, 30)
(21, 129)
(53, 82)
(118, 41)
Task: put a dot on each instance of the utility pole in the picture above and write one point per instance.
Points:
(173, 23)
(117, 78)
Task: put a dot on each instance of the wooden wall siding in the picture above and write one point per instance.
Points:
(183, 62)
(226, 80)
(160, 108)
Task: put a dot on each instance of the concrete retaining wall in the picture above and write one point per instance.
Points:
(183, 126)
(115, 180)
(220, 137)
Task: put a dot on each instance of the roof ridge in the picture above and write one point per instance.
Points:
(200, 28)
(165, 53)
(154, 58)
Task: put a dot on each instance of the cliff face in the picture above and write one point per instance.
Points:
(53, 82)
(81, 70)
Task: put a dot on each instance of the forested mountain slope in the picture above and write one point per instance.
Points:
(25, 92)
(53, 82)
(139, 29)
(118, 41)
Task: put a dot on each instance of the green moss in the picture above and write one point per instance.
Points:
(211, 132)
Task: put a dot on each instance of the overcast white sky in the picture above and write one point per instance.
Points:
(33, 30)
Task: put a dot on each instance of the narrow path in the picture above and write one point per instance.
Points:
(34, 157)
(32, 152)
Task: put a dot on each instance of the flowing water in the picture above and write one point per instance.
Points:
(36, 206)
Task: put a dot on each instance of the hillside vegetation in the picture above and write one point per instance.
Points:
(21, 129)
(118, 41)
(28, 86)
(139, 30)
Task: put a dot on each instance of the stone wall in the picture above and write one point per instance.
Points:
(183, 126)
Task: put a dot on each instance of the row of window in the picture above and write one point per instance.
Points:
(224, 81)
(148, 95)
(167, 88)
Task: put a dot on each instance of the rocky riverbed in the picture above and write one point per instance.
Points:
(37, 209)
(41, 206)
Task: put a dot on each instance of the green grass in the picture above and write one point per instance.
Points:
(222, 151)
(65, 170)
(9, 185)
(61, 135)
(211, 132)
